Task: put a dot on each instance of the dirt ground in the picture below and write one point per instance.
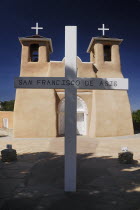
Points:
(36, 180)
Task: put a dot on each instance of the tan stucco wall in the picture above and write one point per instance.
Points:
(9, 115)
(35, 112)
(113, 115)
(111, 108)
(92, 124)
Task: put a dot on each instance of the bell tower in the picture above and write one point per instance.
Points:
(35, 54)
(105, 55)
(35, 109)
(113, 113)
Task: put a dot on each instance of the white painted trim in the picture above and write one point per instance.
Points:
(3, 121)
(84, 111)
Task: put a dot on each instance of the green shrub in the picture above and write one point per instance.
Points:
(136, 120)
(7, 105)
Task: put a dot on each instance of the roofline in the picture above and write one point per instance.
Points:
(94, 39)
(21, 39)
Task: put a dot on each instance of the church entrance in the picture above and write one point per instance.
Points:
(81, 117)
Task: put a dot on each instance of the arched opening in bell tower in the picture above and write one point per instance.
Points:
(34, 54)
(107, 53)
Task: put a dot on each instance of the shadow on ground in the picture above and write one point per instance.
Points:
(102, 184)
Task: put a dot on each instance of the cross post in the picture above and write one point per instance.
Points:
(70, 108)
(71, 83)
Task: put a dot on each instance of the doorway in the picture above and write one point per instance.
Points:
(81, 117)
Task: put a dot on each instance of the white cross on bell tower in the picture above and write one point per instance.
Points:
(103, 29)
(36, 28)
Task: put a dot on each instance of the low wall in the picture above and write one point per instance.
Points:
(9, 116)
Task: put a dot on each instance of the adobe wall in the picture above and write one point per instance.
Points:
(35, 112)
(9, 115)
(112, 113)
(35, 109)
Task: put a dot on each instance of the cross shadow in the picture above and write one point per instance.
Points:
(102, 183)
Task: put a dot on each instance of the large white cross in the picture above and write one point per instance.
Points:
(71, 83)
(36, 28)
(103, 29)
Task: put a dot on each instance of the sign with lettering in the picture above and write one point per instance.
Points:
(78, 83)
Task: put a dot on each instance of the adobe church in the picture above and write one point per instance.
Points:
(39, 113)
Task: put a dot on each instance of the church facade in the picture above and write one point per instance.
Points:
(39, 113)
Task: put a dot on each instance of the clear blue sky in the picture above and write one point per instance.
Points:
(122, 17)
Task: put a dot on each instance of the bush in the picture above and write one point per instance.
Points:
(7, 105)
(136, 120)
(125, 157)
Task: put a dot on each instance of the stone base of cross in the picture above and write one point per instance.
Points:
(73, 83)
